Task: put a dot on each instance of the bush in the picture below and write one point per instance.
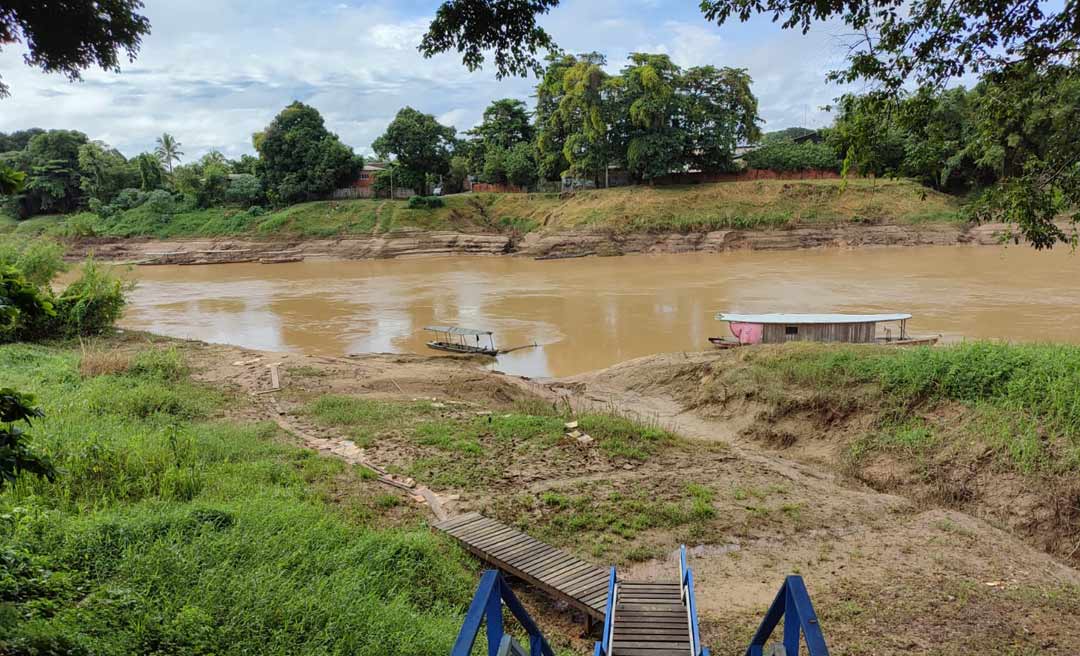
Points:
(788, 156)
(25, 308)
(128, 199)
(256, 211)
(38, 259)
(91, 304)
(160, 202)
(244, 190)
(425, 202)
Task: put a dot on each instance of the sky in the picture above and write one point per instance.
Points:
(212, 72)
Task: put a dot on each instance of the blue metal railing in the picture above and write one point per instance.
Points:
(603, 648)
(686, 581)
(487, 603)
(792, 604)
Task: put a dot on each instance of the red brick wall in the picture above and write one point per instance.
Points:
(748, 174)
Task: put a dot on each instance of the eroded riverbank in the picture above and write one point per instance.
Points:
(557, 244)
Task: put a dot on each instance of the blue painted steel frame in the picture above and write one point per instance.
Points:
(686, 581)
(792, 604)
(487, 603)
(603, 648)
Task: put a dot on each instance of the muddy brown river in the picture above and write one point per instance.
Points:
(590, 313)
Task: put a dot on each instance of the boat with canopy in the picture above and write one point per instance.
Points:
(456, 339)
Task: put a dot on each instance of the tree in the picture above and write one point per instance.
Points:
(69, 36)
(588, 113)
(168, 151)
(895, 44)
(53, 182)
(104, 172)
(520, 165)
(17, 140)
(551, 130)
(418, 141)
(719, 111)
(655, 143)
(505, 123)
(299, 159)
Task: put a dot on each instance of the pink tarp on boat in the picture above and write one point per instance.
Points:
(747, 333)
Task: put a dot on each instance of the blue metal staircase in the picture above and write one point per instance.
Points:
(653, 619)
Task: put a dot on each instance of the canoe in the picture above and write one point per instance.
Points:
(720, 342)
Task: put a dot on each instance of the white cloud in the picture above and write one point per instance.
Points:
(213, 72)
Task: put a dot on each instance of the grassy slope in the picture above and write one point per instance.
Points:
(758, 204)
(171, 530)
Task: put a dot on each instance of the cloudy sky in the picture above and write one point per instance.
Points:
(214, 71)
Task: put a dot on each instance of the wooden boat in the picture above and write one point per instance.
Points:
(909, 341)
(723, 343)
(456, 340)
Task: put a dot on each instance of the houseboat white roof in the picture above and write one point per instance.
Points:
(810, 318)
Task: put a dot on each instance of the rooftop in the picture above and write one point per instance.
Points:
(455, 330)
(809, 318)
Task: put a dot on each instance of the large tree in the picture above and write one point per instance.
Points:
(894, 44)
(718, 113)
(505, 123)
(655, 141)
(420, 143)
(69, 36)
(299, 159)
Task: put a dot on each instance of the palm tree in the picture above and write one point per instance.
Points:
(168, 150)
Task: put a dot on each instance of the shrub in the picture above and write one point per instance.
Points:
(17, 457)
(25, 309)
(160, 202)
(256, 211)
(39, 260)
(244, 190)
(425, 202)
(128, 199)
(788, 156)
(91, 304)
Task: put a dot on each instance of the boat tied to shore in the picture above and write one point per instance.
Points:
(455, 339)
(778, 328)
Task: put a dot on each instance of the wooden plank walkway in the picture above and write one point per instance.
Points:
(563, 576)
(649, 620)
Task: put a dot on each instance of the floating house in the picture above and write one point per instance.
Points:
(852, 328)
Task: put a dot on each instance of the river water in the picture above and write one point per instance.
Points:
(591, 313)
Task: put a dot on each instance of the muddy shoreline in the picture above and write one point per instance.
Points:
(551, 245)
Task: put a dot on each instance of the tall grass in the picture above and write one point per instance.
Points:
(172, 531)
(1024, 394)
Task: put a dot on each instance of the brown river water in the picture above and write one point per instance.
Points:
(590, 313)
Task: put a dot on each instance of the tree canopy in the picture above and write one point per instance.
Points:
(69, 36)
(299, 158)
(1025, 50)
(419, 142)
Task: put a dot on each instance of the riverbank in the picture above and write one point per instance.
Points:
(764, 215)
(552, 245)
(194, 430)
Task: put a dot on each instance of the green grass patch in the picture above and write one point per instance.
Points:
(1025, 398)
(171, 530)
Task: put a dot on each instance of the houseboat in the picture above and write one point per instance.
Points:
(846, 328)
(462, 340)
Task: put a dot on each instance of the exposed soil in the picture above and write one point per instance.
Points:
(888, 572)
(413, 243)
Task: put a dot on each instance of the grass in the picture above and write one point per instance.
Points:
(765, 204)
(454, 447)
(1024, 400)
(173, 530)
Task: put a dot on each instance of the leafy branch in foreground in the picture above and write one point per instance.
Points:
(15, 454)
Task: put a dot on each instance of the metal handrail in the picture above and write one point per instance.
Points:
(487, 605)
(686, 582)
(792, 604)
(603, 648)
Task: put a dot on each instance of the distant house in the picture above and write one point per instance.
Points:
(363, 185)
(809, 137)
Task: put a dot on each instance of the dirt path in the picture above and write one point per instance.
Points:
(887, 576)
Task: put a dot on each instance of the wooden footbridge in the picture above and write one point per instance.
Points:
(640, 618)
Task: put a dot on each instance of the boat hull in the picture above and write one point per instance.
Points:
(450, 347)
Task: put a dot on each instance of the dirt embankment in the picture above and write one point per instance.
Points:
(889, 573)
(553, 245)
